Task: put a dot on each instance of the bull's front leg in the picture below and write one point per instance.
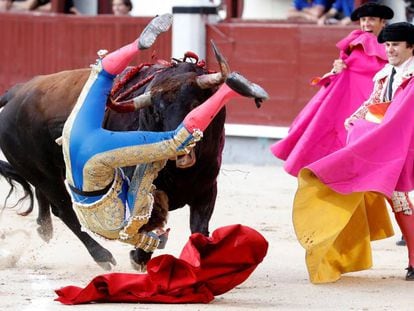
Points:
(139, 259)
(202, 210)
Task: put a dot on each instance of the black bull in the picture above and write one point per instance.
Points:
(33, 117)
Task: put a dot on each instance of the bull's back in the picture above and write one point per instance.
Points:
(55, 95)
(48, 96)
(34, 114)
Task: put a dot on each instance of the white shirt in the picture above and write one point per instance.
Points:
(400, 71)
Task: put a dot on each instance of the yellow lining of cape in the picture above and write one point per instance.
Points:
(336, 229)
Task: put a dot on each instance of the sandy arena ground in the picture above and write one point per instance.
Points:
(257, 196)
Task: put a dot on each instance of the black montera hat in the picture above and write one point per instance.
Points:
(402, 31)
(372, 9)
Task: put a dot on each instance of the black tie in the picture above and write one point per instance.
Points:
(390, 83)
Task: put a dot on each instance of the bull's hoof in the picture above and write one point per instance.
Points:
(103, 258)
(142, 268)
(45, 231)
(139, 259)
(107, 265)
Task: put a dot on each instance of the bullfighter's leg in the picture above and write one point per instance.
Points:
(115, 62)
(140, 199)
(403, 211)
(141, 208)
(88, 113)
(90, 107)
(236, 86)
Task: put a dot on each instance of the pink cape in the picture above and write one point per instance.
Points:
(319, 128)
(207, 267)
(377, 157)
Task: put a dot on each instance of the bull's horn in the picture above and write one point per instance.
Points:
(208, 81)
(134, 104)
(142, 101)
(224, 66)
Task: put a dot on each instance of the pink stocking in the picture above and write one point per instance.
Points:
(115, 62)
(406, 224)
(200, 117)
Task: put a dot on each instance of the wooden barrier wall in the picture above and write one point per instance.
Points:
(281, 57)
(41, 44)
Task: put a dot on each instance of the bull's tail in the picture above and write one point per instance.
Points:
(13, 178)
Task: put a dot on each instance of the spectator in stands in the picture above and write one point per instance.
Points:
(409, 10)
(121, 7)
(339, 13)
(6, 5)
(46, 6)
(309, 11)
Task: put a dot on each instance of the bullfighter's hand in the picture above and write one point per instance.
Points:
(349, 122)
(338, 66)
(186, 149)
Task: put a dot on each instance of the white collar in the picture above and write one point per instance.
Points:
(404, 66)
(406, 70)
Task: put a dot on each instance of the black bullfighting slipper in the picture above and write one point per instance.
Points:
(246, 88)
(401, 242)
(410, 274)
(156, 26)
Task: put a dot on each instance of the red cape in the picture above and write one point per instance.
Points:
(207, 266)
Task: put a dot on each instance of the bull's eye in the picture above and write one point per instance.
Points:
(156, 116)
